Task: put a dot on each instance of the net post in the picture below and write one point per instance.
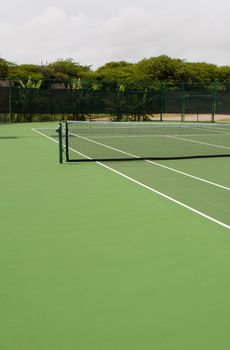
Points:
(60, 143)
(67, 141)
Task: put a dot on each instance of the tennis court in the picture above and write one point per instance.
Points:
(115, 254)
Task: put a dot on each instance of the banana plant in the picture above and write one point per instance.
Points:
(75, 84)
(30, 84)
(28, 98)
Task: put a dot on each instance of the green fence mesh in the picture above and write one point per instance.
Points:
(140, 101)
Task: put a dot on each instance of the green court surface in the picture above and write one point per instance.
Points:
(131, 256)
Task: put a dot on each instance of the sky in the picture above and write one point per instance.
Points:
(94, 33)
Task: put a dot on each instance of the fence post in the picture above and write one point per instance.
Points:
(182, 102)
(161, 100)
(213, 102)
(10, 101)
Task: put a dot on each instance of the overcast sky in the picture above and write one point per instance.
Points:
(96, 32)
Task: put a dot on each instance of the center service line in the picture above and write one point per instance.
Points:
(150, 188)
(166, 196)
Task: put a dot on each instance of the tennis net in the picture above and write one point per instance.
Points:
(108, 141)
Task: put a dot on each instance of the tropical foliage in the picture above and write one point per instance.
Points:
(153, 69)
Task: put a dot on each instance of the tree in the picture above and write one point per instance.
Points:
(4, 68)
(115, 71)
(162, 68)
(223, 73)
(68, 69)
(199, 72)
(24, 71)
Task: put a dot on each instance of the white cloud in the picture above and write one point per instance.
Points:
(183, 30)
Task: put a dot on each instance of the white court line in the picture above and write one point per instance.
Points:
(189, 175)
(152, 162)
(153, 190)
(213, 128)
(200, 142)
(36, 129)
(50, 138)
(167, 197)
(156, 135)
(145, 135)
(102, 144)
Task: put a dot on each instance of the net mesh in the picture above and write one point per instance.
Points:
(145, 140)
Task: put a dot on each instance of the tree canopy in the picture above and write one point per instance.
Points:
(4, 68)
(154, 69)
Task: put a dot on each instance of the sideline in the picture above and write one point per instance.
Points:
(151, 189)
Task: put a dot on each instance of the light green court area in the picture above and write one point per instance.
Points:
(91, 260)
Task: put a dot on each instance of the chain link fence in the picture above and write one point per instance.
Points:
(114, 101)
